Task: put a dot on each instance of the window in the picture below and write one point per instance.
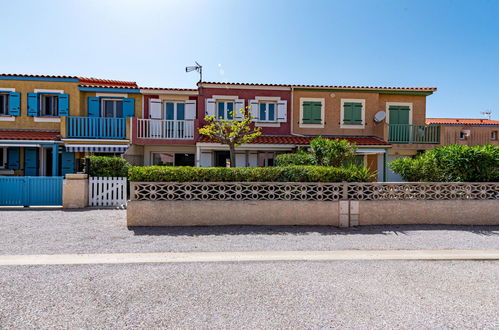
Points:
(267, 111)
(4, 104)
(174, 111)
(172, 159)
(352, 113)
(462, 135)
(225, 110)
(312, 112)
(3, 157)
(112, 108)
(49, 105)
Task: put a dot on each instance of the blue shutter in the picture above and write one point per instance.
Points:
(31, 161)
(63, 105)
(180, 111)
(67, 163)
(13, 158)
(33, 104)
(169, 111)
(128, 107)
(93, 107)
(15, 104)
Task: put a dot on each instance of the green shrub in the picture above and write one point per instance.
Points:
(249, 174)
(332, 152)
(452, 163)
(107, 166)
(298, 158)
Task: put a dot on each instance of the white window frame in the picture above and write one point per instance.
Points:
(41, 104)
(388, 104)
(267, 102)
(226, 111)
(102, 109)
(6, 93)
(3, 150)
(312, 99)
(342, 115)
(175, 103)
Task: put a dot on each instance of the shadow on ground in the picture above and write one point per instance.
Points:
(304, 230)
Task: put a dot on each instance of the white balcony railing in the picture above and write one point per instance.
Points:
(165, 129)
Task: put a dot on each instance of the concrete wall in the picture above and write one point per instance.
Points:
(75, 191)
(451, 212)
(219, 213)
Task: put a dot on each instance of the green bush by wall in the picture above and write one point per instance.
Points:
(107, 166)
(249, 174)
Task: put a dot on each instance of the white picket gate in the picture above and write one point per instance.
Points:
(107, 191)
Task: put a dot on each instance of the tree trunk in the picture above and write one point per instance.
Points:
(232, 151)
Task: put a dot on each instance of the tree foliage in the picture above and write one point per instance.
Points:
(231, 132)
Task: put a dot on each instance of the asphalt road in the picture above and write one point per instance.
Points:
(361, 295)
(105, 231)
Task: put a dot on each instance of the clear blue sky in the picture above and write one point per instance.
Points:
(453, 45)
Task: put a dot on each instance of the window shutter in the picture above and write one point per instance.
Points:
(239, 105)
(282, 111)
(317, 113)
(63, 104)
(128, 107)
(210, 107)
(155, 108)
(67, 163)
(15, 104)
(33, 104)
(357, 113)
(13, 158)
(307, 112)
(347, 113)
(253, 110)
(190, 110)
(93, 107)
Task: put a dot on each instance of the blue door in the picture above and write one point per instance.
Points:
(31, 161)
(31, 191)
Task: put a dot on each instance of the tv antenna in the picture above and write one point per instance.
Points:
(198, 67)
(487, 114)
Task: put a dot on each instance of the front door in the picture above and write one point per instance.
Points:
(399, 123)
(31, 161)
(222, 158)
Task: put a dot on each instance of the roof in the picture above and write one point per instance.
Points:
(85, 80)
(30, 135)
(372, 88)
(305, 140)
(93, 81)
(109, 86)
(462, 121)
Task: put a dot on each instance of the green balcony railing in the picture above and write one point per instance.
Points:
(401, 133)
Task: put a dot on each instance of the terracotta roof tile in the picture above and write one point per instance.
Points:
(94, 81)
(462, 121)
(109, 86)
(30, 135)
(413, 89)
(305, 140)
(36, 75)
(170, 89)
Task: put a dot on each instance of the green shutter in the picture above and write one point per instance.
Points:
(312, 113)
(352, 113)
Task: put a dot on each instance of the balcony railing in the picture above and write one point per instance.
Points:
(96, 128)
(401, 133)
(165, 129)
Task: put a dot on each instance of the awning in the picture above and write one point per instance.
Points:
(96, 148)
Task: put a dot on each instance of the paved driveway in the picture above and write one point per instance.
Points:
(105, 231)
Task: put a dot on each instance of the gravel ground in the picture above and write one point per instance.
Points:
(365, 295)
(105, 231)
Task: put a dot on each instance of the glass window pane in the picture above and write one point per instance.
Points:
(108, 108)
(221, 110)
(169, 111)
(263, 110)
(119, 109)
(230, 110)
(163, 159)
(180, 111)
(271, 111)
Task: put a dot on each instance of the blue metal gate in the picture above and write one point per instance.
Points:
(31, 191)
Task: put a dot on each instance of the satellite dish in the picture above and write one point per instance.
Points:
(379, 116)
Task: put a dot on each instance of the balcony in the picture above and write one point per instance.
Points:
(96, 128)
(412, 134)
(165, 129)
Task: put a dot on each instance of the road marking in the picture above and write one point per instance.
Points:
(245, 256)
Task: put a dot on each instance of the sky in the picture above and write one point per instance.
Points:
(451, 45)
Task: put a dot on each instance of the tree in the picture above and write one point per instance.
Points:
(329, 152)
(233, 132)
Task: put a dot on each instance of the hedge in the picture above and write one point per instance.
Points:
(299, 158)
(249, 174)
(107, 166)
